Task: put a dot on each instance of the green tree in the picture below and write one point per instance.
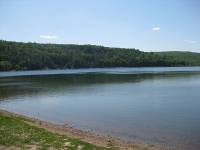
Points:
(5, 66)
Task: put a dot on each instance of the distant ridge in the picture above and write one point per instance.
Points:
(185, 55)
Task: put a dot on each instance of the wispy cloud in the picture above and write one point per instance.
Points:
(189, 41)
(155, 29)
(48, 36)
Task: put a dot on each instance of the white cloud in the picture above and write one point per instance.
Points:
(155, 29)
(48, 36)
(190, 41)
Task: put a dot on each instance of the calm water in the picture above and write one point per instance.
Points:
(159, 106)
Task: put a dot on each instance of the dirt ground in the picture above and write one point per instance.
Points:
(87, 136)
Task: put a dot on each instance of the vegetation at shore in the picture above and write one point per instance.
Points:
(34, 56)
(16, 133)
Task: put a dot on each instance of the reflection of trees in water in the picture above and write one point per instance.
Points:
(16, 91)
(32, 85)
(94, 78)
(84, 79)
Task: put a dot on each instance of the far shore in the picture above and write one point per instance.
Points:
(87, 136)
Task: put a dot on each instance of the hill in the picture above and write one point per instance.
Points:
(191, 57)
(35, 56)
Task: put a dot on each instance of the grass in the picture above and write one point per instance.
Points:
(15, 132)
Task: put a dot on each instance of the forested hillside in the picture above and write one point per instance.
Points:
(34, 56)
(192, 57)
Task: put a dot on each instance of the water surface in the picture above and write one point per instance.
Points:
(158, 106)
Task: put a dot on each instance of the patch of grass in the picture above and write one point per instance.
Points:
(14, 131)
(111, 144)
(136, 147)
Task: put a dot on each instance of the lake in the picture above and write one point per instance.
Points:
(159, 106)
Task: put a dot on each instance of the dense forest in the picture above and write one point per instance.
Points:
(184, 55)
(34, 56)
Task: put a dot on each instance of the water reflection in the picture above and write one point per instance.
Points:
(32, 85)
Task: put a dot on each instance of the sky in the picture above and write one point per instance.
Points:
(147, 25)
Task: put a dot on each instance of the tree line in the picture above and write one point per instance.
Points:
(192, 58)
(35, 56)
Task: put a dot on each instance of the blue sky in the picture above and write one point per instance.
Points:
(147, 25)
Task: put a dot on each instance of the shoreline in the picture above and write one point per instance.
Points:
(87, 136)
